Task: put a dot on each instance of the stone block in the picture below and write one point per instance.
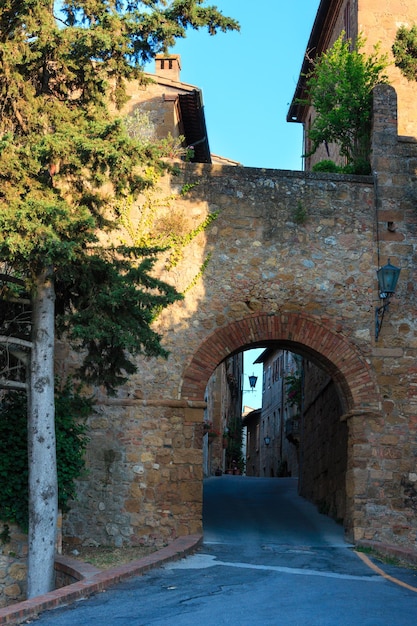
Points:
(18, 571)
(190, 492)
(12, 591)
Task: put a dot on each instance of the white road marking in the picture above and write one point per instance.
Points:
(203, 561)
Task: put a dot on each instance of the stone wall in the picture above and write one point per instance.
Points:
(386, 445)
(145, 457)
(14, 563)
(323, 449)
(306, 284)
(13, 566)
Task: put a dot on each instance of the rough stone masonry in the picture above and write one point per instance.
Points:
(292, 259)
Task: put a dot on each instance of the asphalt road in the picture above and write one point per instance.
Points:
(268, 559)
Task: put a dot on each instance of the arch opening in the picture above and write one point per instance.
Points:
(313, 441)
(294, 429)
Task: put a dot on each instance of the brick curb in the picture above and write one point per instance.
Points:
(93, 580)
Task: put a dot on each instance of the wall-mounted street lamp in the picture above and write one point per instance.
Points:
(387, 281)
(252, 381)
(267, 440)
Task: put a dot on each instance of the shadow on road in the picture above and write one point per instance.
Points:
(241, 509)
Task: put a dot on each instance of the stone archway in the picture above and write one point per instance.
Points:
(320, 341)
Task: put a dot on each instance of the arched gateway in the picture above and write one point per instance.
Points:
(292, 262)
(318, 341)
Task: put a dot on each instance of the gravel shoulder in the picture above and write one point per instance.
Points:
(105, 557)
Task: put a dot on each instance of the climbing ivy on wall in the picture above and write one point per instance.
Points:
(234, 454)
(158, 223)
(294, 388)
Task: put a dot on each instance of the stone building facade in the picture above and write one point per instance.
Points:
(309, 287)
(166, 106)
(251, 421)
(272, 449)
(223, 399)
(378, 22)
(299, 431)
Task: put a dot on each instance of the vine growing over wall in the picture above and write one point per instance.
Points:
(294, 387)
(157, 223)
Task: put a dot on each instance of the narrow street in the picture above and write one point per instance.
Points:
(268, 559)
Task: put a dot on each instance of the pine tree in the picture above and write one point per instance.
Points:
(65, 161)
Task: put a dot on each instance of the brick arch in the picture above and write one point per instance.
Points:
(311, 337)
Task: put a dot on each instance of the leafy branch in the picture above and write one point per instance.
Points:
(404, 50)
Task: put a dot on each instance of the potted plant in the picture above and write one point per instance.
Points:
(209, 429)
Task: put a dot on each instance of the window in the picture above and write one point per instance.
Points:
(276, 370)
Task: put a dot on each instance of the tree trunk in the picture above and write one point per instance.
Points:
(43, 484)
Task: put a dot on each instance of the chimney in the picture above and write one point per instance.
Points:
(168, 66)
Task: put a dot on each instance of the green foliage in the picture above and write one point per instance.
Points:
(234, 452)
(188, 187)
(293, 383)
(300, 213)
(340, 89)
(67, 162)
(326, 165)
(5, 534)
(13, 460)
(71, 411)
(361, 166)
(140, 127)
(404, 50)
(199, 274)
(169, 230)
(105, 308)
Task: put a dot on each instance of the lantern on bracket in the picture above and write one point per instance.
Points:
(252, 381)
(388, 276)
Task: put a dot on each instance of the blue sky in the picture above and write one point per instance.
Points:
(248, 79)
(253, 399)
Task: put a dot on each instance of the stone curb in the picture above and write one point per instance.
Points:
(404, 554)
(93, 580)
